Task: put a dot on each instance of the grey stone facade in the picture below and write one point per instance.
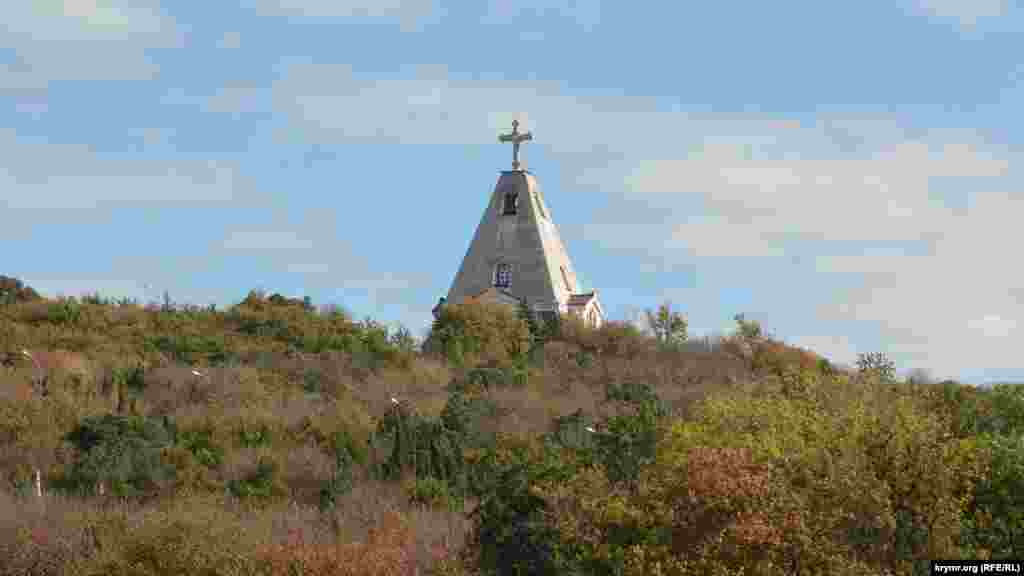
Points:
(517, 251)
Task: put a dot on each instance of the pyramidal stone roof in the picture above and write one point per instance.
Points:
(517, 251)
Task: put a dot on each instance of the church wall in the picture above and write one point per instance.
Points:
(528, 241)
(512, 239)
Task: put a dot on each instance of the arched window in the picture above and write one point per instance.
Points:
(503, 275)
(511, 203)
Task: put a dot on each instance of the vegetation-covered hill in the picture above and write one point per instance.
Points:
(276, 438)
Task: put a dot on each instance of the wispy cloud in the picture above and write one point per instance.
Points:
(37, 175)
(407, 12)
(82, 40)
(230, 40)
(266, 240)
(585, 13)
(234, 97)
(967, 12)
(890, 226)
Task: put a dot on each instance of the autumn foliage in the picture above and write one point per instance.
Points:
(274, 438)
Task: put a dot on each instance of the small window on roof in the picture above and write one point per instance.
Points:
(511, 205)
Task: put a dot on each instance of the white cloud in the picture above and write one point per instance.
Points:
(71, 176)
(994, 326)
(860, 205)
(927, 304)
(585, 13)
(265, 240)
(967, 12)
(81, 40)
(231, 40)
(234, 97)
(308, 268)
(327, 104)
(406, 11)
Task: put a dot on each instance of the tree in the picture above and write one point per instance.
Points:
(748, 329)
(877, 364)
(669, 327)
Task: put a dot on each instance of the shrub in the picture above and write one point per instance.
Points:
(253, 435)
(669, 327)
(124, 452)
(13, 290)
(432, 492)
(64, 312)
(261, 484)
(190, 349)
(626, 442)
(511, 535)
(426, 447)
(201, 443)
(472, 334)
(346, 454)
(994, 518)
(196, 539)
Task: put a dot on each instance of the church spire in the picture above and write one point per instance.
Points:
(515, 138)
(516, 252)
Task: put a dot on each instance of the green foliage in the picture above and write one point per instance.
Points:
(13, 290)
(254, 435)
(669, 327)
(312, 380)
(433, 492)
(994, 519)
(524, 313)
(511, 535)
(191, 349)
(1008, 410)
(64, 312)
(347, 449)
(475, 334)
(426, 447)
(403, 340)
(121, 451)
(748, 329)
(626, 442)
(203, 446)
(463, 414)
(341, 483)
(514, 525)
(132, 378)
(805, 470)
(347, 453)
(260, 484)
(825, 368)
(539, 331)
(573, 431)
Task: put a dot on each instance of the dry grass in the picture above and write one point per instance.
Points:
(304, 400)
(372, 531)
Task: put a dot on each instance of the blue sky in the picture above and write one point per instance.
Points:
(846, 173)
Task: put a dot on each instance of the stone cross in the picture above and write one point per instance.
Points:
(515, 138)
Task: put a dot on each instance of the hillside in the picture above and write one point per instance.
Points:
(274, 437)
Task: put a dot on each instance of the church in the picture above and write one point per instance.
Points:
(516, 253)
